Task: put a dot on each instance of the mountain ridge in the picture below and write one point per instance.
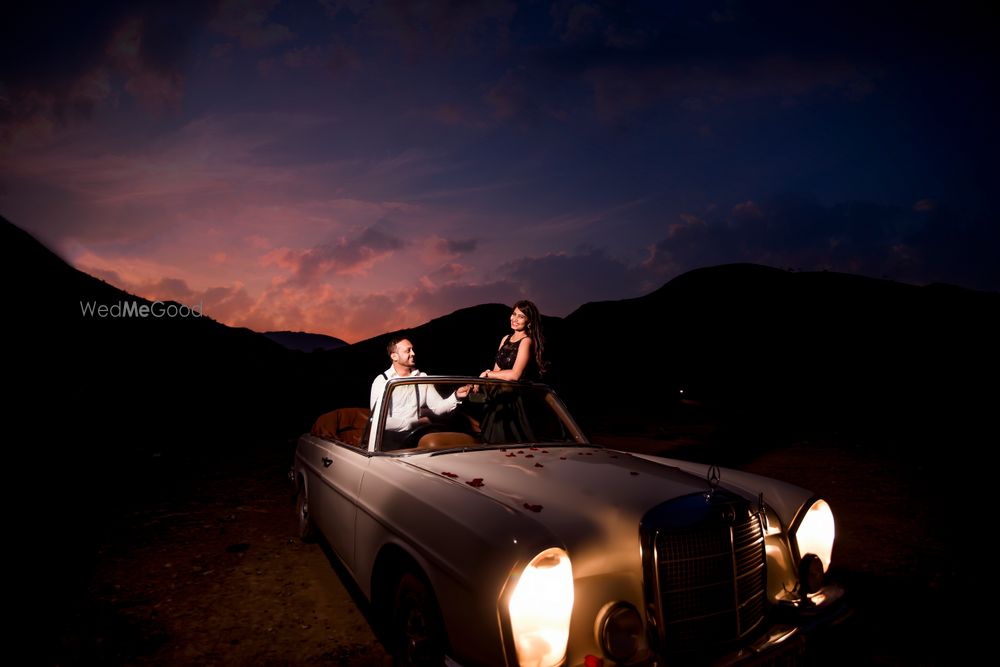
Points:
(737, 334)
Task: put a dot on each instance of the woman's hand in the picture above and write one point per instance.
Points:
(484, 374)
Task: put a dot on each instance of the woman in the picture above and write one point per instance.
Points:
(520, 354)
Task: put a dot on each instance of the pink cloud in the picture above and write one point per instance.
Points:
(344, 256)
(437, 249)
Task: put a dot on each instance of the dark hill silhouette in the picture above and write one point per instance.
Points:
(819, 348)
(304, 341)
(103, 409)
(163, 377)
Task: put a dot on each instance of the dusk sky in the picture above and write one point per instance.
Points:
(355, 167)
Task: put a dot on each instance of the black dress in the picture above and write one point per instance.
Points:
(507, 355)
(505, 420)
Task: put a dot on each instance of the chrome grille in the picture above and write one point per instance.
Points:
(710, 578)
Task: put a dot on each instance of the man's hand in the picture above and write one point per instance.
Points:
(462, 392)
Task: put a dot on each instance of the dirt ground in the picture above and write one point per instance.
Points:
(210, 572)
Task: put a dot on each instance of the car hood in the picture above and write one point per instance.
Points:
(591, 499)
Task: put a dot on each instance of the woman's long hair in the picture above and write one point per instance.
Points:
(534, 330)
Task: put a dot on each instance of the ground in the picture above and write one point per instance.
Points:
(212, 573)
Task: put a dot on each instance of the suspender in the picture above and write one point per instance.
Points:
(416, 389)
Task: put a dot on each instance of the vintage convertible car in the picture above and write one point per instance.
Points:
(496, 534)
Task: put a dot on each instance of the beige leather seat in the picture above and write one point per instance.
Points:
(446, 439)
(345, 425)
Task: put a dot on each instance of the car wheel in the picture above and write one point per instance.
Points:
(307, 529)
(418, 635)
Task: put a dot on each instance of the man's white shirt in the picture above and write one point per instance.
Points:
(408, 401)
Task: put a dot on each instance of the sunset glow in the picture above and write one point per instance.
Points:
(348, 168)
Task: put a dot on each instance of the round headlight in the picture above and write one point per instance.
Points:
(816, 533)
(540, 609)
(621, 632)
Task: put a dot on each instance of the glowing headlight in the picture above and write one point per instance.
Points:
(816, 532)
(540, 609)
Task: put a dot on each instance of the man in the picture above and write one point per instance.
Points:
(410, 403)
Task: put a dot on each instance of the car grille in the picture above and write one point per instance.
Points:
(709, 577)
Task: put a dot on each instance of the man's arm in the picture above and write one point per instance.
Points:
(438, 405)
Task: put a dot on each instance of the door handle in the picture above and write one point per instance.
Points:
(327, 462)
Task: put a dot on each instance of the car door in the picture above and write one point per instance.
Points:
(333, 500)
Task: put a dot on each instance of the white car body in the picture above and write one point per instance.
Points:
(469, 518)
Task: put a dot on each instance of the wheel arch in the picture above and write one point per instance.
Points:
(391, 564)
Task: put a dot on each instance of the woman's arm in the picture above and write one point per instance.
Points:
(523, 356)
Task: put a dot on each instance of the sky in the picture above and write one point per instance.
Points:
(353, 167)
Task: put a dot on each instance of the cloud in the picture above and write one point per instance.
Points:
(353, 314)
(529, 95)
(150, 78)
(60, 63)
(456, 115)
(343, 256)
(450, 248)
(336, 59)
(445, 274)
(219, 171)
(432, 28)
(247, 21)
(620, 91)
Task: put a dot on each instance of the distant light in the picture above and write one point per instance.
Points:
(682, 391)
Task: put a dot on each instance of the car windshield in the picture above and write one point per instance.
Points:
(436, 413)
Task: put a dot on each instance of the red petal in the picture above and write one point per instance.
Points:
(477, 482)
(529, 456)
(539, 465)
(449, 474)
(509, 455)
(633, 473)
(562, 458)
(533, 508)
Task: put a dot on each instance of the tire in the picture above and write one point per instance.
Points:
(307, 529)
(417, 630)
